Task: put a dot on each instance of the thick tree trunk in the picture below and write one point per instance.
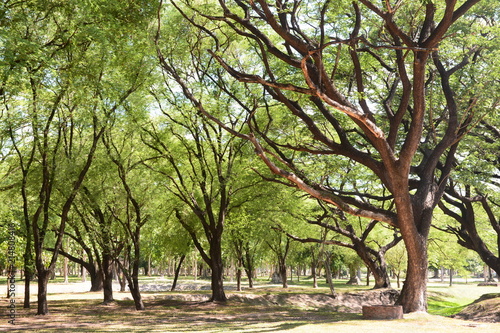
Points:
(414, 293)
(413, 296)
(96, 279)
(381, 277)
(414, 220)
(436, 273)
(43, 280)
(108, 279)
(283, 274)
(217, 267)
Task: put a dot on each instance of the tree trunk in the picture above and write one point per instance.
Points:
(283, 274)
(65, 270)
(136, 294)
(177, 271)
(313, 273)
(353, 277)
(328, 270)
(218, 294)
(122, 280)
(414, 220)
(249, 267)
(238, 279)
(108, 278)
(413, 296)
(84, 274)
(28, 271)
(96, 278)
(239, 272)
(381, 278)
(28, 274)
(149, 265)
(249, 273)
(43, 280)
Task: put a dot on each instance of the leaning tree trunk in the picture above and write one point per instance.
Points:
(135, 291)
(136, 295)
(177, 271)
(378, 269)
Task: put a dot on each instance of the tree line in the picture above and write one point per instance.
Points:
(162, 127)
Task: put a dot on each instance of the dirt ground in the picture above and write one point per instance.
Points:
(263, 310)
(484, 309)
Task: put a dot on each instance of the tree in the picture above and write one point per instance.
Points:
(133, 214)
(463, 208)
(246, 233)
(355, 80)
(60, 87)
(397, 261)
(471, 198)
(200, 166)
(358, 239)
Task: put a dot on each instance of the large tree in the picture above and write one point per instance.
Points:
(361, 82)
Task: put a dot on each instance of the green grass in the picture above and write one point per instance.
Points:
(441, 306)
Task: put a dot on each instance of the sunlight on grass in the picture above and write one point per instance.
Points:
(83, 312)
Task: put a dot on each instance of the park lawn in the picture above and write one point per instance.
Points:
(82, 312)
(177, 316)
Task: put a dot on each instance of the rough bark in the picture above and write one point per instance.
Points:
(217, 267)
(107, 270)
(43, 280)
